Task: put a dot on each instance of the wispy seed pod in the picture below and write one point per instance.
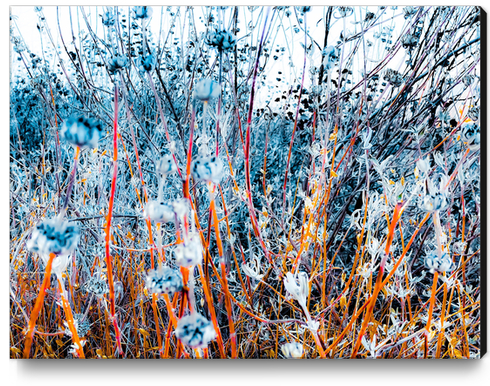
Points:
(438, 263)
(142, 12)
(165, 165)
(207, 169)
(189, 253)
(195, 331)
(164, 280)
(81, 131)
(159, 211)
(293, 350)
(207, 89)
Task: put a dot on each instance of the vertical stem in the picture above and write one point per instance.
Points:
(431, 308)
(37, 306)
(69, 318)
(229, 310)
(108, 230)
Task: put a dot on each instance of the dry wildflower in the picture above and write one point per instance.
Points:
(195, 331)
(190, 252)
(54, 236)
(208, 169)
(158, 211)
(81, 131)
(164, 280)
(207, 89)
(292, 350)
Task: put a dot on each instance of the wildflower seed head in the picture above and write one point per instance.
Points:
(180, 207)
(166, 165)
(190, 252)
(82, 326)
(207, 89)
(81, 131)
(208, 169)
(393, 77)
(435, 198)
(97, 286)
(54, 236)
(297, 286)
(303, 10)
(410, 11)
(159, 211)
(470, 133)
(223, 41)
(195, 331)
(438, 263)
(331, 57)
(409, 41)
(164, 280)
(293, 350)
(146, 63)
(108, 19)
(117, 63)
(142, 12)
(345, 11)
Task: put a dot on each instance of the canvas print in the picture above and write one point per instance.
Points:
(246, 182)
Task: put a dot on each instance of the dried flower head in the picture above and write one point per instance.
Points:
(223, 41)
(97, 286)
(438, 263)
(190, 252)
(117, 63)
(81, 131)
(297, 286)
(146, 63)
(164, 280)
(207, 89)
(108, 19)
(195, 331)
(207, 169)
(165, 165)
(435, 198)
(57, 237)
(159, 211)
(470, 133)
(142, 12)
(293, 350)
